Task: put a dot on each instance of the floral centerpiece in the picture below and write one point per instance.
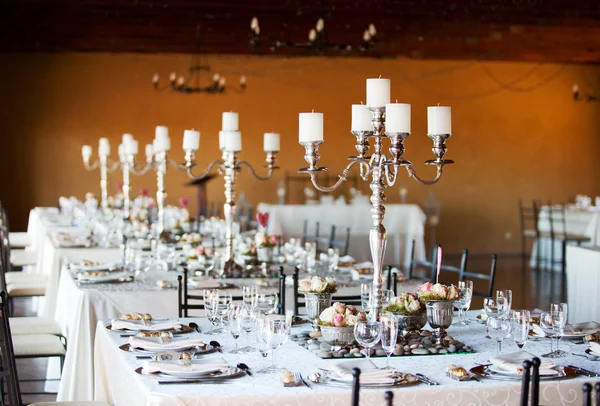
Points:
(429, 291)
(439, 301)
(317, 295)
(337, 323)
(263, 240)
(409, 311)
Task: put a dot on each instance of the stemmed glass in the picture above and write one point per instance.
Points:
(249, 295)
(520, 327)
(235, 325)
(366, 289)
(248, 324)
(209, 309)
(494, 308)
(367, 334)
(333, 257)
(506, 294)
(274, 331)
(267, 302)
(263, 339)
(498, 328)
(560, 311)
(386, 297)
(548, 323)
(464, 301)
(389, 336)
(222, 303)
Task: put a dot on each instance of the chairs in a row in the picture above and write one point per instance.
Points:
(324, 243)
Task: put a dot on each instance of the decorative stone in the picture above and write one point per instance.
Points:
(406, 348)
(343, 351)
(324, 354)
(413, 346)
(337, 355)
(348, 355)
(325, 347)
(315, 334)
(433, 350)
(354, 350)
(420, 351)
(398, 351)
(380, 353)
(442, 351)
(314, 347)
(452, 348)
(426, 333)
(358, 355)
(301, 342)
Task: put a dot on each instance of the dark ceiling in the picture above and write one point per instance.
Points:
(531, 30)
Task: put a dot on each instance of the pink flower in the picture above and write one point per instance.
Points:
(426, 287)
(200, 250)
(338, 320)
(184, 201)
(119, 187)
(144, 192)
(362, 316)
(150, 206)
(351, 310)
(339, 308)
(273, 239)
(304, 285)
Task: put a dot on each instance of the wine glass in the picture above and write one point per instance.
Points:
(506, 294)
(386, 297)
(366, 290)
(560, 311)
(367, 334)
(498, 328)
(249, 295)
(235, 325)
(389, 335)
(263, 339)
(464, 301)
(520, 327)
(495, 306)
(280, 331)
(209, 309)
(548, 323)
(222, 303)
(248, 324)
(267, 302)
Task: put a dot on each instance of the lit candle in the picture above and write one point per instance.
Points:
(439, 120)
(397, 118)
(86, 151)
(103, 147)
(361, 118)
(378, 92)
(149, 152)
(191, 140)
(230, 121)
(310, 127)
(222, 140)
(232, 141)
(127, 138)
(163, 142)
(133, 148)
(271, 142)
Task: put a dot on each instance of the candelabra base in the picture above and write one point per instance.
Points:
(231, 269)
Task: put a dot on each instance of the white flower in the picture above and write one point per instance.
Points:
(317, 284)
(351, 320)
(260, 238)
(327, 315)
(413, 306)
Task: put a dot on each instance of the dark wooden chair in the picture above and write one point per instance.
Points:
(355, 386)
(324, 243)
(389, 398)
(343, 245)
(491, 277)
(525, 382)
(431, 266)
(535, 381)
(529, 220)
(587, 394)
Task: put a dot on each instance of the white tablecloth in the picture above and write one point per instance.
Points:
(117, 382)
(404, 223)
(583, 283)
(584, 222)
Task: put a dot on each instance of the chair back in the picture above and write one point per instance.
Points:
(587, 394)
(299, 301)
(491, 277)
(557, 220)
(529, 217)
(535, 381)
(525, 382)
(597, 388)
(343, 245)
(355, 386)
(431, 266)
(8, 370)
(389, 398)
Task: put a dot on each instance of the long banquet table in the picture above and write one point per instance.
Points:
(583, 283)
(403, 222)
(118, 383)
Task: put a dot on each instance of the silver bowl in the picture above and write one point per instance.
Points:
(342, 336)
(439, 317)
(409, 322)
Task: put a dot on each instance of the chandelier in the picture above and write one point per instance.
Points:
(192, 83)
(318, 42)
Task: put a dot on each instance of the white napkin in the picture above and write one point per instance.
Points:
(135, 325)
(205, 283)
(595, 348)
(197, 366)
(346, 259)
(538, 330)
(110, 276)
(150, 344)
(513, 363)
(369, 373)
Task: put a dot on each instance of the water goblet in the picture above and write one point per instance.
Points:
(495, 306)
(464, 301)
(386, 297)
(263, 340)
(248, 324)
(367, 334)
(267, 302)
(234, 321)
(366, 290)
(249, 295)
(498, 328)
(549, 324)
(280, 331)
(561, 312)
(389, 335)
(209, 309)
(506, 294)
(520, 327)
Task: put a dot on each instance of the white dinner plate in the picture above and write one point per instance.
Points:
(495, 369)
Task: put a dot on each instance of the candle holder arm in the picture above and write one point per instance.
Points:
(190, 169)
(113, 166)
(138, 172)
(413, 174)
(342, 177)
(393, 170)
(270, 170)
(91, 167)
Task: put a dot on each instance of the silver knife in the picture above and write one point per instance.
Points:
(426, 380)
(585, 372)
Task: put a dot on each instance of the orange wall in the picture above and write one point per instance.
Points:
(507, 144)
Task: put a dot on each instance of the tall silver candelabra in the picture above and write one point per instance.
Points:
(130, 165)
(105, 167)
(229, 165)
(383, 173)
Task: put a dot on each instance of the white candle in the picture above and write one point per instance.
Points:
(133, 147)
(439, 120)
(361, 118)
(378, 92)
(121, 150)
(127, 138)
(271, 142)
(397, 118)
(310, 127)
(163, 142)
(149, 152)
(222, 140)
(191, 140)
(86, 151)
(161, 131)
(232, 141)
(103, 147)
(230, 121)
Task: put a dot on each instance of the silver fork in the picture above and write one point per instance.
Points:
(298, 378)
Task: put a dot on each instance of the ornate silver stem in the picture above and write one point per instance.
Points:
(161, 194)
(104, 181)
(126, 165)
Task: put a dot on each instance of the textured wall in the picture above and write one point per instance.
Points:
(508, 144)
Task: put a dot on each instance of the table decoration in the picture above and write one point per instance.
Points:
(337, 324)
(439, 301)
(317, 295)
(483, 371)
(388, 121)
(149, 344)
(371, 376)
(409, 311)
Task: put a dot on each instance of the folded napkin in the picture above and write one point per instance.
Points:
(346, 259)
(152, 344)
(595, 348)
(537, 330)
(110, 276)
(205, 283)
(197, 366)
(369, 373)
(137, 325)
(513, 363)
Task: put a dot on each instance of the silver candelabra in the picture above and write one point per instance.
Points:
(105, 166)
(229, 165)
(384, 172)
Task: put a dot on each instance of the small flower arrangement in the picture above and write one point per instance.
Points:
(316, 284)
(265, 240)
(406, 303)
(429, 291)
(248, 249)
(340, 315)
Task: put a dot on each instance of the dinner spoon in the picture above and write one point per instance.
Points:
(216, 345)
(195, 326)
(244, 368)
